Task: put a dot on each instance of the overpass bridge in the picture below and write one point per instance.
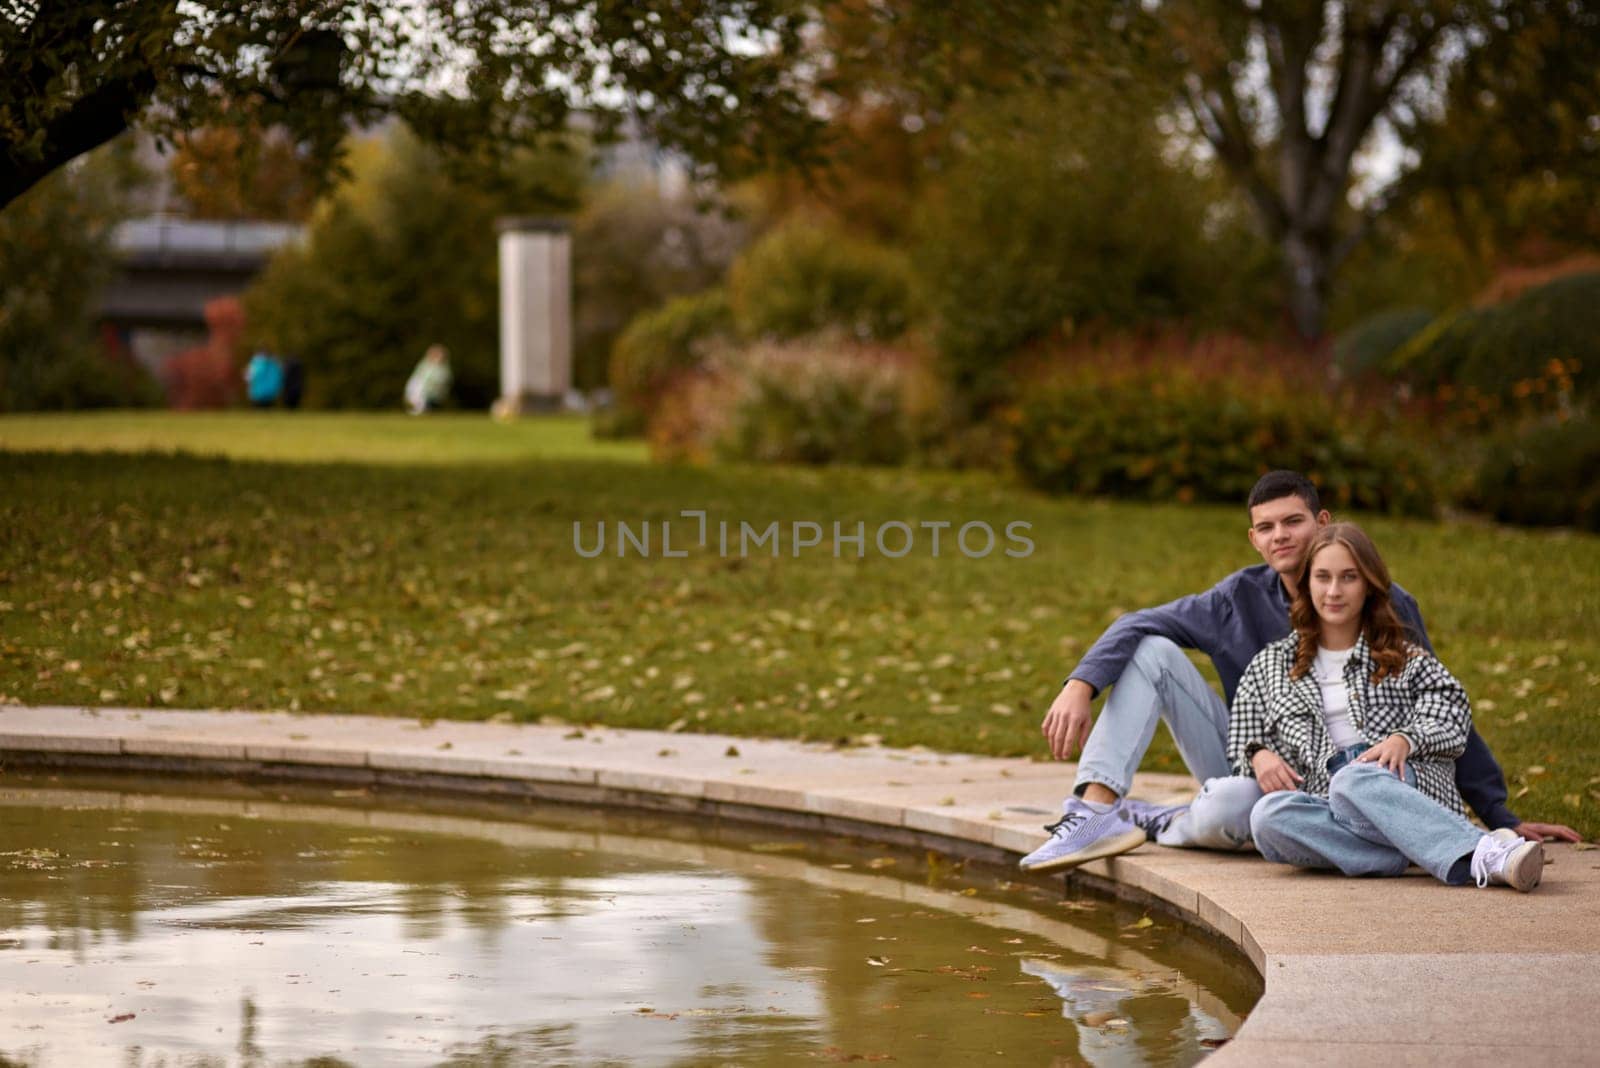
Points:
(167, 269)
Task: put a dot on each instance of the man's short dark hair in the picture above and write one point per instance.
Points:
(1275, 485)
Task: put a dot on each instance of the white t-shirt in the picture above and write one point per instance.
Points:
(1328, 670)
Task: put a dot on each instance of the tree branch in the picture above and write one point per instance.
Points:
(91, 121)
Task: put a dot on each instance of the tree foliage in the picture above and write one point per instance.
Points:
(1062, 210)
(242, 172)
(713, 78)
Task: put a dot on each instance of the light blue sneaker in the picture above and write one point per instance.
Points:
(1152, 817)
(1082, 835)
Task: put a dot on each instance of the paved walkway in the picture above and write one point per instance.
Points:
(1402, 971)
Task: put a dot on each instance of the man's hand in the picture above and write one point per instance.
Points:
(1071, 715)
(1391, 753)
(1274, 773)
(1538, 832)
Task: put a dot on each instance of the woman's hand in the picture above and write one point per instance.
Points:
(1274, 773)
(1391, 753)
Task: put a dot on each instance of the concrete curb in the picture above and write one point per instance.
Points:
(1402, 969)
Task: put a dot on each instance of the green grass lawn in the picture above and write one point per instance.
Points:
(318, 437)
(427, 567)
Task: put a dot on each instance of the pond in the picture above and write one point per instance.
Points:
(194, 923)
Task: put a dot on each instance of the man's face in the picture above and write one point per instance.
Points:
(1280, 530)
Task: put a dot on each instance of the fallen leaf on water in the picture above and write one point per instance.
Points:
(121, 1019)
(877, 962)
(878, 863)
(1143, 921)
(976, 994)
(1098, 1019)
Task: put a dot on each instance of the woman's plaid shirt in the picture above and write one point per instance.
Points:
(1424, 703)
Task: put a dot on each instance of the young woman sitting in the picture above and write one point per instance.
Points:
(1349, 733)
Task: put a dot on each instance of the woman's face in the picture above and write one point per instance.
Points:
(1337, 589)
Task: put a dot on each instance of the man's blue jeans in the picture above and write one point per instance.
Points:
(1159, 684)
(1371, 823)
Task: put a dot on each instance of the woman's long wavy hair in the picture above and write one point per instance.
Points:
(1386, 635)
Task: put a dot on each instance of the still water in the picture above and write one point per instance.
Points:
(174, 924)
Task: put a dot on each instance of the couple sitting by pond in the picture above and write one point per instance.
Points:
(1349, 746)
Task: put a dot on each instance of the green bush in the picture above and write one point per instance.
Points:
(803, 277)
(1544, 475)
(664, 343)
(1164, 433)
(1370, 343)
(1503, 351)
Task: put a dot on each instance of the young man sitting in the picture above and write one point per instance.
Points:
(1141, 658)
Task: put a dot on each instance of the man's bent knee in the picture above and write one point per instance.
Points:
(1156, 650)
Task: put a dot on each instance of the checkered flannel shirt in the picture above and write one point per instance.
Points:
(1424, 703)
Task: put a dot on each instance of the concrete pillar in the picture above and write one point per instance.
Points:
(535, 314)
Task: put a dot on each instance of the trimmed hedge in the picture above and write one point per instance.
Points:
(1493, 350)
(1167, 433)
(1371, 343)
(1547, 474)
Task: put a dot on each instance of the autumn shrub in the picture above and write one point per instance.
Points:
(1173, 429)
(1543, 474)
(1506, 351)
(824, 399)
(804, 276)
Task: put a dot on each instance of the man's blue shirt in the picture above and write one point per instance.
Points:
(1237, 618)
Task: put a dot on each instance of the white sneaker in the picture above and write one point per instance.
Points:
(1505, 858)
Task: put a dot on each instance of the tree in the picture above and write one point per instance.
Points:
(1289, 95)
(714, 79)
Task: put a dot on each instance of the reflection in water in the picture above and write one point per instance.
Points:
(191, 930)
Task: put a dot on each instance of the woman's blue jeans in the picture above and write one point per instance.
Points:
(1371, 823)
